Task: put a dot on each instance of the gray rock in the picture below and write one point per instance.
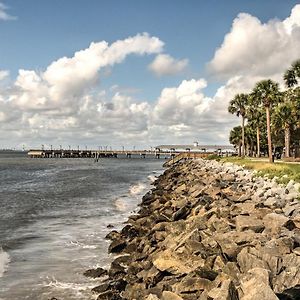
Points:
(249, 223)
(274, 222)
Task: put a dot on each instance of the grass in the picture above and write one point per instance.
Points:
(284, 172)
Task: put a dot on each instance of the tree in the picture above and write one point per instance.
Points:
(255, 118)
(238, 106)
(249, 139)
(235, 138)
(284, 119)
(292, 75)
(288, 113)
(266, 93)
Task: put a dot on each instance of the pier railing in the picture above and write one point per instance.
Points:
(61, 153)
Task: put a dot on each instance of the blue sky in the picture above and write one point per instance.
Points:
(45, 31)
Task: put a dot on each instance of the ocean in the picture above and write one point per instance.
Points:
(54, 215)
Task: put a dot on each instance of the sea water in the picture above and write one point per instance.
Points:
(54, 215)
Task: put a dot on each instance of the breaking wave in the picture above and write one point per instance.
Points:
(71, 288)
(137, 188)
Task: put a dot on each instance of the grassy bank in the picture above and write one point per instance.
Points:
(284, 172)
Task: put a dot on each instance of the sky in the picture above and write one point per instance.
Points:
(135, 73)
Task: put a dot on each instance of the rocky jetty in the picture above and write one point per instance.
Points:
(208, 230)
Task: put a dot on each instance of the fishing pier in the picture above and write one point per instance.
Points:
(162, 151)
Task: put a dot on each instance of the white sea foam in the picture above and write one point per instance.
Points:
(137, 188)
(152, 178)
(121, 205)
(4, 261)
(74, 289)
(81, 245)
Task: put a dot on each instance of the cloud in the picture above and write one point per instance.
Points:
(69, 78)
(255, 48)
(164, 64)
(3, 74)
(4, 16)
(62, 100)
(65, 103)
(177, 105)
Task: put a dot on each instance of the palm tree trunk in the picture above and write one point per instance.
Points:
(269, 134)
(287, 140)
(239, 149)
(243, 136)
(258, 141)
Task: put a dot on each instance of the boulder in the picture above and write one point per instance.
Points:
(289, 275)
(226, 291)
(191, 284)
(249, 223)
(255, 285)
(94, 273)
(168, 263)
(117, 245)
(274, 222)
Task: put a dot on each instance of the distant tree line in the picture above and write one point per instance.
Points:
(270, 117)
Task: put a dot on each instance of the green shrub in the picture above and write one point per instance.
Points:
(213, 157)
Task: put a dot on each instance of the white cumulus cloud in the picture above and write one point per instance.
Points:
(69, 78)
(180, 105)
(255, 48)
(164, 64)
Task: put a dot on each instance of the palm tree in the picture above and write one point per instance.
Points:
(249, 139)
(290, 111)
(267, 93)
(235, 138)
(284, 119)
(295, 100)
(238, 106)
(290, 76)
(255, 118)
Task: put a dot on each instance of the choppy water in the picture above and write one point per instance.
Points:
(53, 218)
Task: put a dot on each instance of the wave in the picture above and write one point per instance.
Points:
(137, 188)
(121, 204)
(4, 261)
(81, 245)
(152, 178)
(74, 289)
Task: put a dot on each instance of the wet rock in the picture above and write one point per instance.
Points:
(290, 294)
(117, 246)
(116, 270)
(109, 295)
(113, 235)
(94, 273)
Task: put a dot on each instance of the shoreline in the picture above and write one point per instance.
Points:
(207, 230)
